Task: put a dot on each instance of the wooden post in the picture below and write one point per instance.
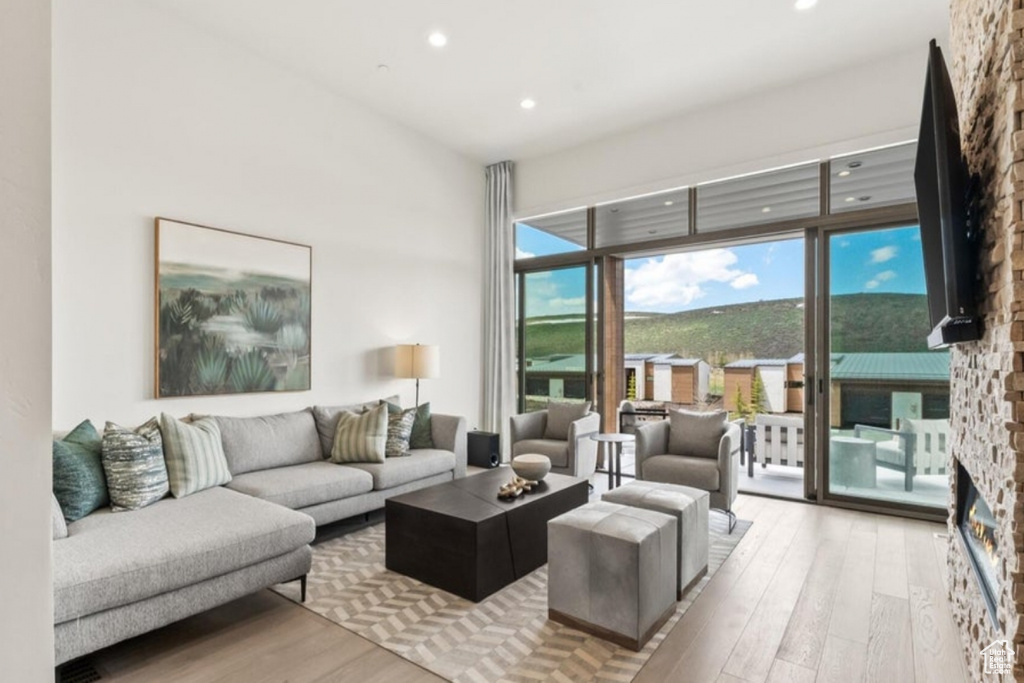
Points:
(612, 379)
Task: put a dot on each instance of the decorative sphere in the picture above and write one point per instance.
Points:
(531, 466)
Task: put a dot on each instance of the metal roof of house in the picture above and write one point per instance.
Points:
(648, 356)
(678, 362)
(562, 363)
(925, 367)
(756, 362)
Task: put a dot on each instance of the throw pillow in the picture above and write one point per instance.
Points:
(400, 424)
(134, 464)
(361, 438)
(422, 436)
(78, 480)
(561, 415)
(60, 527)
(696, 434)
(194, 455)
(326, 418)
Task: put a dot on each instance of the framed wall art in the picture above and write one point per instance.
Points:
(232, 312)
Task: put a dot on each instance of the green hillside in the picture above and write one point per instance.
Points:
(764, 329)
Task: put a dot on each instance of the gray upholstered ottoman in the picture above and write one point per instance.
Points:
(612, 571)
(690, 508)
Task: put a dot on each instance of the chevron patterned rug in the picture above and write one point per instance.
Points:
(506, 637)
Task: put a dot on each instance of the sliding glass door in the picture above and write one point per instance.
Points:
(887, 402)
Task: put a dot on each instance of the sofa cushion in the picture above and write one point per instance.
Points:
(361, 438)
(260, 443)
(557, 451)
(399, 430)
(133, 463)
(562, 414)
(421, 436)
(419, 464)
(78, 480)
(698, 472)
(299, 486)
(110, 559)
(194, 455)
(696, 434)
(327, 419)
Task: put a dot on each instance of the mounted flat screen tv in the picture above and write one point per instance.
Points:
(946, 201)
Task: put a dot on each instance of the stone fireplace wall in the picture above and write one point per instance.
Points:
(986, 62)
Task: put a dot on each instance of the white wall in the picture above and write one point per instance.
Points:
(153, 117)
(871, 105)
(26, 590)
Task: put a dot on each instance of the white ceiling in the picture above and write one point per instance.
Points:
(594, 66)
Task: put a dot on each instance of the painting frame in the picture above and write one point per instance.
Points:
(232, 312)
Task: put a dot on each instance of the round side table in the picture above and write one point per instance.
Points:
(612, 445)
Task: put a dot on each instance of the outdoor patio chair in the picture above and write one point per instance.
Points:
(916, 447)
(779, 440)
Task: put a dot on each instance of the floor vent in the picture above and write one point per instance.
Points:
(80, 671)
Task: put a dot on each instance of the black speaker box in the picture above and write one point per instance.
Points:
(484, 449)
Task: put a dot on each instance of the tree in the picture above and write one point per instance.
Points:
(757, 398)
(631, 386)
(742, 409)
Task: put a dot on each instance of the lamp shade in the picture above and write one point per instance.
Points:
(417, 361)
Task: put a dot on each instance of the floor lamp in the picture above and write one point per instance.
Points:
(417, 361)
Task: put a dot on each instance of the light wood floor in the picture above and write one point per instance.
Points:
(810, 594)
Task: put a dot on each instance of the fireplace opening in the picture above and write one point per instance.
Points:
(977, 527)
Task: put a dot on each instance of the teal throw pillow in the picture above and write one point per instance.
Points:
(78, 481)
(421, 436)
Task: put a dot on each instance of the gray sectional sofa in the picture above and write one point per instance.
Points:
(119, 574)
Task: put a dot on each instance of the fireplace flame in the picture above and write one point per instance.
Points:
(982, 533)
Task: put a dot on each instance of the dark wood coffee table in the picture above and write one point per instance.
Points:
(459, 537)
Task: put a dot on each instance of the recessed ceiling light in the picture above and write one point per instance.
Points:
(805, 4)
(851, 199)
(527, 103)
(652, 232)
(437, 39)
(382, 68)
(615, 210)
(843, 174)
(864, 198)
(669, 203)
(766, 209)
(854, 164)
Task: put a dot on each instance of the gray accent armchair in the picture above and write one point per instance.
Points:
(719, 476)
(576, 456)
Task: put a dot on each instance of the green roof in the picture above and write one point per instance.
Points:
(925, 367)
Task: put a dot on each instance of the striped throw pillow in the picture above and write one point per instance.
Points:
(361, 438)
(133, 462)
(194, 454)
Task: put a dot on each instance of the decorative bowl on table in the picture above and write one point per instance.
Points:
(531, 466)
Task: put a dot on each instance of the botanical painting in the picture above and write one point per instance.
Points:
(233, 312)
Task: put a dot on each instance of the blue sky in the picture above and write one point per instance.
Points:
(876, 261)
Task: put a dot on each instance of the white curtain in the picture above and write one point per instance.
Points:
(499, 302)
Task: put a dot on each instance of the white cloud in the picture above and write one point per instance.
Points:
(871, 284)
(843, 244)
(883, 254)
(886, 275)
(769, 255)
(744, 281)
(675, 280)
(523, 254)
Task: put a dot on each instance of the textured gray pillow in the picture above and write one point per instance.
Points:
(696, 434)
(561, 415)
(60, 527)
(134, 464)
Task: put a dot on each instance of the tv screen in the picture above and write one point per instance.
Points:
(948, 242)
